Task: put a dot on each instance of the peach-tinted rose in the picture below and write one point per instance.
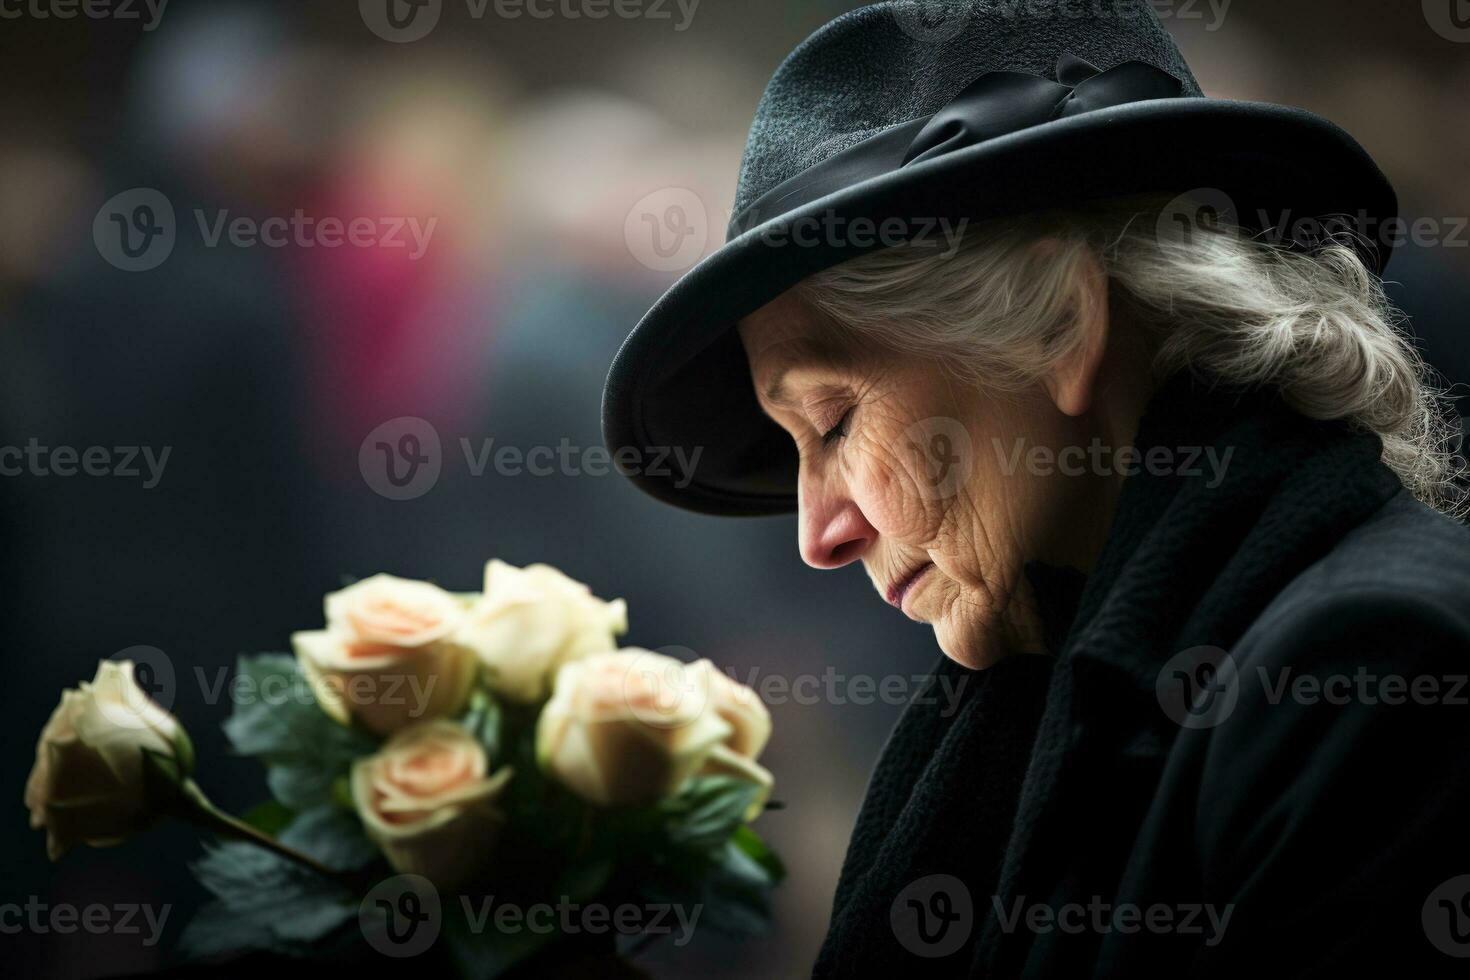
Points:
(632, 726)
(386, 612)
(388, 657)
(428, 801)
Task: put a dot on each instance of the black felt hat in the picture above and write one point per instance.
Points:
(903, 116)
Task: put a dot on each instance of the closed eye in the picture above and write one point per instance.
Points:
(837, 431)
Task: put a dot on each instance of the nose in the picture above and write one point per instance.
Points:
(832, 528)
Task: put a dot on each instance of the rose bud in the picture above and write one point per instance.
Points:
(630, 727)
(425, 798)
(387, 657)
(530, 621)
(89, 785)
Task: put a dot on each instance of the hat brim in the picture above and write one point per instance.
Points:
(679, 392)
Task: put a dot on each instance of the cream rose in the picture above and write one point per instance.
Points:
(388, 657)
(750, 730)
(88, 785)
(632, 726)
(742, 708)
(530, 621)
(428, 802)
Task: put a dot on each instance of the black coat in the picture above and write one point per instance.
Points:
(1307, 812)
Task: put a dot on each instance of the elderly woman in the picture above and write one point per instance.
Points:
(998, 318)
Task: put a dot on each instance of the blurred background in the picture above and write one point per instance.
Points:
(527, 152)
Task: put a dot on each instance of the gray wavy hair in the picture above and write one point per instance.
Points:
(1000, 308)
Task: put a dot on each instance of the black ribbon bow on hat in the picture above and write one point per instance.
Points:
(1001, 102)
(995, 104)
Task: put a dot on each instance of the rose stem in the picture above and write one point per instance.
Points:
(206, 814)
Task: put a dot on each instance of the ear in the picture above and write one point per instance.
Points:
(1071, 381)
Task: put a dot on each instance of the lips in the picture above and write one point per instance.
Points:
(899, 589)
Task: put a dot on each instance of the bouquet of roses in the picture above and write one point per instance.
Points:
(485, 774)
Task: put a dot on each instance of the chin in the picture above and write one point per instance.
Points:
(965, 648)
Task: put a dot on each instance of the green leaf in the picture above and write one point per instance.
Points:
(737, 894)
(707, 811)
(281, 723)
(758, 850)
(480, 948)
(302, 786)
(731, 887)
(341, 793)
(263, 902)
(482, 720)
(331, 835)
(540, 809)
(584, 882)
(270, 817)
(739, 871)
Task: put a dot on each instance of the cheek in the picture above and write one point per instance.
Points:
(885, 474)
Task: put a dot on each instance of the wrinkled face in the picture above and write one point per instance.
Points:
(922, 480)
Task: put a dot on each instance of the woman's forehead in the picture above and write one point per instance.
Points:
(789, 330)
(782, 338)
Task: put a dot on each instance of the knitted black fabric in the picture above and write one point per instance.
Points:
(821, 100)
(1052, 816)
(1185, 565)
(941, 801)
